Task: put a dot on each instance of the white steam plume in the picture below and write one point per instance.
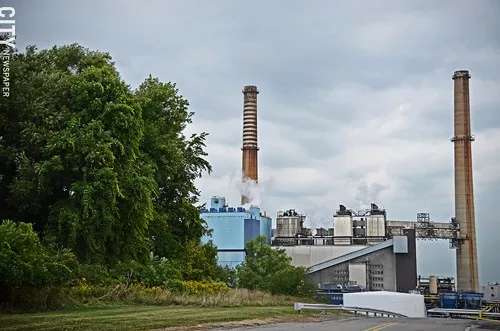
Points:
(368, 194)
(256, 192)
(318, 218)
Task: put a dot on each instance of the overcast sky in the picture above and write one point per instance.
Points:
(355, 103)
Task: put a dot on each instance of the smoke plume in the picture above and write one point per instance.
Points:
(368, 194)
(256, 192)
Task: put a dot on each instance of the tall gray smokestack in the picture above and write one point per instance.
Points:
(250, 148)
(467, 270)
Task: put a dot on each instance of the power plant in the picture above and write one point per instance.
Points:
(363, 249)
(232, 227)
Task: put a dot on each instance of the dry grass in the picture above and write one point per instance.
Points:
(162, 296)
(234, 298)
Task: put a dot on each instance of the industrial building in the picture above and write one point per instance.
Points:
(356, 251)
(361, 249)
(390, 265)
(232, 228)
(434, 285)
(359, 243)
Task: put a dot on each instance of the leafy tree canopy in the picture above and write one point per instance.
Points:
(96, 166)
(268, 269)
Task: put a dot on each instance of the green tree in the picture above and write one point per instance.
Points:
(199, 263)
(27, 267)
(177, 163)
(268, 269)
(155, 271)
(93, 165)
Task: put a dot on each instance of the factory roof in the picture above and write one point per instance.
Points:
(350, 256)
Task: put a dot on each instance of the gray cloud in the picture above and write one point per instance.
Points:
(353, 94)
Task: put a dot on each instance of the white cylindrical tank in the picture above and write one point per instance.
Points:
(433, 285)
(288, 226)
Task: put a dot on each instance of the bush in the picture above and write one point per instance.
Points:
(156, 272)
(269, 269)
(199, 261)
(85, 292)
(95, 274)
(198, 288)
(31, 275)
(159, 295)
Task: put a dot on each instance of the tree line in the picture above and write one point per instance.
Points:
(95, 173)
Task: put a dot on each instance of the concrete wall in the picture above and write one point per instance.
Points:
(381, 267)
(381, 271)
(406, 264)
(307, 256)
(491, 292)
(358, 273)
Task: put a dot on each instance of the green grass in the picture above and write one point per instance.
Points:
(138, 317)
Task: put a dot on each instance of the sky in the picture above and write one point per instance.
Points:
(355, 103)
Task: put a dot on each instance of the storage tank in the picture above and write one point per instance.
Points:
(343, 226)
(289, 223)
(433, 285)
(375, 222)
(375, 226)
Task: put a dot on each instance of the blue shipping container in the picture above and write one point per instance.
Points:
(333, 298)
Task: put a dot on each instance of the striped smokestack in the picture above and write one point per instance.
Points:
(250, 148)
(467, 269)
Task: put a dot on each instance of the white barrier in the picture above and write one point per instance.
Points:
(299, 306)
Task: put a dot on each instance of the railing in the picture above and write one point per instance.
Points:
(471, 313)
(366, 311)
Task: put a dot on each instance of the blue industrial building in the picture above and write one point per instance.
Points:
(232, 228)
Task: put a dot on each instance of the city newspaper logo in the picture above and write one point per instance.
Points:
(7, 45)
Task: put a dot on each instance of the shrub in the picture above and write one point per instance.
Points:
(159, 295)
(85, 292)
(226, 275)
(269, 269)
(198, 288)
(199, 261)
(95, 274)
(156, 272)
(31, 274)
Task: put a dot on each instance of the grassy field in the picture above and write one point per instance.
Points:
(140, 317)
